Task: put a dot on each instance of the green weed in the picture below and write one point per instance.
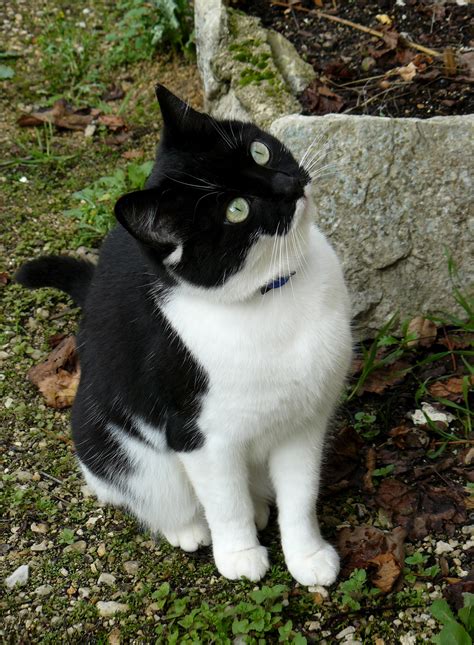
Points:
(457, 630)
(146, 27)
(355, 589)
(416, 567)
(255, 619)
(94, 214)
(70, 59)
(39, 152)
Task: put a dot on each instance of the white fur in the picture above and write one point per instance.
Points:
(276, 365)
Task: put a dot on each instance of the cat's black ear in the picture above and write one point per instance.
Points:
(178, 116)
(139, 212)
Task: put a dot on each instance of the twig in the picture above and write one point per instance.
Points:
(48, 476)
(451, 443)
(354, 25)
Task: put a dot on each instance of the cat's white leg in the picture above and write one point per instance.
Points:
(295, 469)
(163, 498)
(218, 473)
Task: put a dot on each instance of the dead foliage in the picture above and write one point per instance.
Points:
(66, 117)
(57, 378)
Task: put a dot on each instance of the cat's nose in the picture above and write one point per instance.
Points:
(287, 187)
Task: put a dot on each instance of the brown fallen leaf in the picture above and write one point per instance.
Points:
(66, 117)
(408, 72)
(58, 377)
(454, 591)
(111, 121)
(423, 332)
(370, 462)
(132, 154)
(319, 99)
(343, 459)
(424, 510)
(379, 380)
(388, 571)
(451, 389)
(409, 437)
(4, 279)
(457, 341)
(381, 552)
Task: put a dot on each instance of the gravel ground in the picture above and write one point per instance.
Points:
(83, 572)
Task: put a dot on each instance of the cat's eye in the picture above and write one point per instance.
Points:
(238, 210)
(260, 153)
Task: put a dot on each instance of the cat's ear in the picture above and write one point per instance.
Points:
(178, 116)
(140, 213)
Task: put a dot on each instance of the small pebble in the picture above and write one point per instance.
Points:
(345, 632)
(18, 577)
(41, 527)
(43, 590)
(443, 547)
(77, 547)
(131, 567)
(108, 608)
(41, 546)
(106, 579)
(101, 550)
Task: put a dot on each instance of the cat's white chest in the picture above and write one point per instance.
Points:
(271, 362)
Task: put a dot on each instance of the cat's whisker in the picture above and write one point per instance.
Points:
(288, 265)
(315, 142)
(221, 132)
(214, 192)
(335, 162)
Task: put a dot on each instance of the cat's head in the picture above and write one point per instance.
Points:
(222, 207)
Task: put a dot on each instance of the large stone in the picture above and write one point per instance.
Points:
(240, 76)
(400, 203)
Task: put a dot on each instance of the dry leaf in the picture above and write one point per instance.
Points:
(423, 330)
(388, 571)
(4, 279)
(58, 377)
(408, 72)
(384, 19)
(451, 389)
(64, 116)
(386, 376)
(366, 547)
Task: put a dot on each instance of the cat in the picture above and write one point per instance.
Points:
(214, 345)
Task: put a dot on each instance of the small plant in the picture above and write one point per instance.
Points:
(146, 27)
(457, 630)
(66, 536)
(417, 569)
(254, 619)
(364, 425)
(94, 214)
(353, 590)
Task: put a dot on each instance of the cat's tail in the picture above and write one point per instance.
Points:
(62, 272)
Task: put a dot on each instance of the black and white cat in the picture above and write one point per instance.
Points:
(214, 345)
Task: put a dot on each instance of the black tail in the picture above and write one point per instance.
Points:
(62, 272)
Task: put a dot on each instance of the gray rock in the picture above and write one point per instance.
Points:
(297, 73)
(131, 567)
(77, 547)
(236, 62)
(18, 577)
(43, 590)
(108, 608)
(402, 199)
(106, 579)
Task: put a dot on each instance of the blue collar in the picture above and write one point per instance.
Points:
(276, 284)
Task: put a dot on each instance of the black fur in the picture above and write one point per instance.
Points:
(133, 365)
(68, 274)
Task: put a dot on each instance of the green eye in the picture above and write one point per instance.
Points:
(238, 210)
(260, 153)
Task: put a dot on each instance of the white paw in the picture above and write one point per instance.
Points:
(250, 563)
(262, 513)
(318, 568)
(191, 536)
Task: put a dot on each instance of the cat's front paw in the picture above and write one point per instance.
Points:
(190, 536)
(318, 568)
(250, 563)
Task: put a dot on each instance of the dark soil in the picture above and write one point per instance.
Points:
(357, 71)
